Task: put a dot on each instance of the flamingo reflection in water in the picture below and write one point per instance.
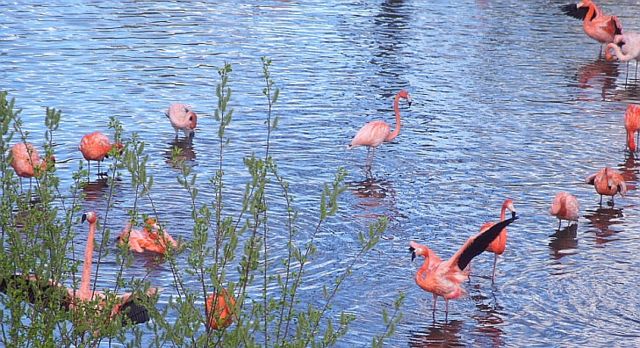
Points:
(598, 70)
(602, 219)
(438, 335)
(93, 190)
(564, 242)
(629, 171)
(180, 151)
(376, 197)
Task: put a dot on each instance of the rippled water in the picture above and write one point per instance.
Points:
(510, 100)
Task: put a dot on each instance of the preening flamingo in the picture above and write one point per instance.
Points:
(95, 147)
(375, 133)
(150, 238)
(220, 316)
(565, 206)
(632, 125)
(26, 161)
(499, 244)
(626, 47)
(596, 25)
(39, 290)
(182, 117)
(444, 278)
(608, 182)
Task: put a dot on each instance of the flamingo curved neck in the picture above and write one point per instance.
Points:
(621, 56)
(396, 109)
(86, 269)
(592, 13)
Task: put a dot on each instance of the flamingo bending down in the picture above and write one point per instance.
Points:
(565, 206)
(221, 315)
(375, 133)
(499, 244)
(39, 290)
(632, 125)
(26, 161)
(182, 118)
(149, 238)
(626, 47)
(95, 147)
(444, 278)
(596, 25)
(608, 182)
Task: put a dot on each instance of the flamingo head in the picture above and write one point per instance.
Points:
(583, 3)
(193, 119)
(417, 249)
(91, 216)
(404, 94)
(508, 204)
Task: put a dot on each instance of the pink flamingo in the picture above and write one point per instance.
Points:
(95, 147)
(444, 278)
(375, 133)
(148, 238)
(499, 244)
(596, 25)
(632, 125)
(626, 47)
(565, 206)
(608, 182)
(26, 161)
(182, 118)
(71, 299)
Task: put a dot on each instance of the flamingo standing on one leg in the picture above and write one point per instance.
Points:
(26, 161)
(40, 290)
(632, 125)
(595, 24)
(182, 117)
(375, 133)
(608, 182)
(150, 238)
(95, 147)
(565, 206)
(498, 245)
(444, 278)
(219, 309)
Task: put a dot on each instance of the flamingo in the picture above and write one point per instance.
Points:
(95, 147)
(626, 47)
(499, 244)
(609, 182)
(375, 133)
(444, 278)
(26, 161)
(632, 125)
(565, 206)
(39, 290)
(221, 317)
(147, 239)
(596, 25)
(182, 118)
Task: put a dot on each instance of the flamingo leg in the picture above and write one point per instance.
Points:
(99, 167)
(559, 224)
(88, 168)
(435, 298)
(600, 200)
(493, 274)
(446, 309)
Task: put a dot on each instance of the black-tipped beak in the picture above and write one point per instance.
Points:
(84, 217)
(412, 250)
(513, 214)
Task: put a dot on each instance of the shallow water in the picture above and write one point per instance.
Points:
(510, 100)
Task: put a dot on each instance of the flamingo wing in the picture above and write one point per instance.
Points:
(572, 10)
(591, 178)
(133, 311)
(475, 245)
(371, 134)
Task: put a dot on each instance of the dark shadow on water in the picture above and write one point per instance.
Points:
(564, 242)
(438, 335)
(94, 190)
(602, 219)
(180, 150)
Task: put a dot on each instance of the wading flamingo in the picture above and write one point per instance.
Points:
(39, 291)
(626, 47)
(223, 303)
(608, 182)
(149, 238)
(565, 206)
(375, 133)
(444, 278)
(95, 147)
(26, 161)
(182, 118)
(596, 25)
(632, 125)
(499, 244)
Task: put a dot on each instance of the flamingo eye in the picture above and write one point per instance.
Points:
(186, 110)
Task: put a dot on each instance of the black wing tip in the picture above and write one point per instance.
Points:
(572, 10)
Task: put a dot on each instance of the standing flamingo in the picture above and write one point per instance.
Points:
(219, 309)
(608, 182)
(375, 133)
(95, 147)
(149, 238)
(632, 125)
(39, 290)
(499, 244)
(182, 118)
(26, 161)
(596, 25)
(444, 278)
(626, 47)
(565, 206)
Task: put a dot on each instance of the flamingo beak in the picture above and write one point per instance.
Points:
(513, 214)
(84, 217)
(412, 250)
